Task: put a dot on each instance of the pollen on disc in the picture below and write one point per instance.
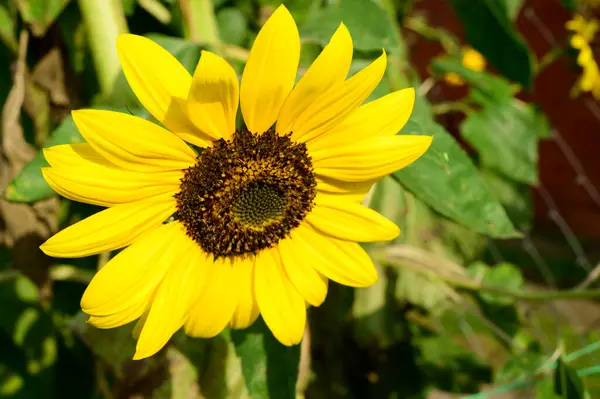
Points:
(247, 193)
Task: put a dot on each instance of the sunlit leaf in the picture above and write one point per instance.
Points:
(269, 368)
(505, 137)
(446, 179)
(368, 24)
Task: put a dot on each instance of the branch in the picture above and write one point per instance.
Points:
(452, 273)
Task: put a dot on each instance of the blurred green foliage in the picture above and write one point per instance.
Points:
(445, 315)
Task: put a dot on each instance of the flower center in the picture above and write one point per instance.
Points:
(259, 204)
(245, 194)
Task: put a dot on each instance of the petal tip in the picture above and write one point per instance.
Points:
(44, 248)
(140, 355)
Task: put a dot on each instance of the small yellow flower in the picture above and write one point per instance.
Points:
(471, 59)
(259, 219)
(583, 33)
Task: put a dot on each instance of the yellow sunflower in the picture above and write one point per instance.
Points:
(584, 32)
(258, 219)
(471, 59)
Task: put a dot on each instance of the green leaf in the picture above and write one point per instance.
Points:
(368, 24)
(449, 366)
(269, 367)
(513, 8)
(7, 28)
(545, 390)
(425, 290)
(446, 179)
(567, 384)
(373, 324)
(486, 84)
(233, 26)
(28, 341)
(489, 30)
(504, 276)
(129, 6)
(218, 368)
(115, 347)
(515, 197)
(40, 14)
(388, 199)
(569, 4)
(505, 137)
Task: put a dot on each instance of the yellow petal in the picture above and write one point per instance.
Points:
(123, 288)
(281, 305)
(369, 159)
(111, 228)
(69, 156)
(382, 117)
(347, 191)
(210, 314)
(213, 98)
(309, 283)
(338, 102)
(133, 143)
(182, 124)
(246, 310)
(103, 186)
(350, 221)
(341, 261)
(139, 324)
(270, 72)
(124, 316)
(330, 68)
(155, 76)
(180, 288)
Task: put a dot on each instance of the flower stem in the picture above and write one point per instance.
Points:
(423, 262)
(104, 21)
(201, 24)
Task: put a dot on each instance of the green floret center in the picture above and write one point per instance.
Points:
(259, 204)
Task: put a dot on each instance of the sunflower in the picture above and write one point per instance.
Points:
(241, 222)
(584, 32)
(471, 59)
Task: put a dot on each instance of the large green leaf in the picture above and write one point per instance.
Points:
(269, 367)
(505, 137)
(515, 197)
(489, 30)
(368, 24)
(446, 179)
(40, 14)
